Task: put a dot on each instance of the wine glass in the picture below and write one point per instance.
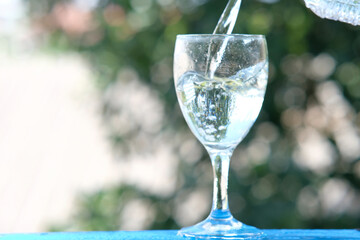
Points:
(220, 83)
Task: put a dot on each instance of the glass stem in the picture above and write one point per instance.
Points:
(220, 161)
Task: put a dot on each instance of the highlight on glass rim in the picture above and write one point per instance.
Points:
(200, 119)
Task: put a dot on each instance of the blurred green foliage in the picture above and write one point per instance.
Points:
(298, 167)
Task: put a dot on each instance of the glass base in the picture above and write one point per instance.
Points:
(221, 228)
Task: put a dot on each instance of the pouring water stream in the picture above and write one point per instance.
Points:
(225, 25)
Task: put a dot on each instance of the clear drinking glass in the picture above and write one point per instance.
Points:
(220, 98)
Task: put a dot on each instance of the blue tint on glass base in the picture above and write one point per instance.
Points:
(221, 225)
(274, 234)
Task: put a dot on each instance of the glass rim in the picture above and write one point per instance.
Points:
(221, 35)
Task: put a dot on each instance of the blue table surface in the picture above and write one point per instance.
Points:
(172, 234)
